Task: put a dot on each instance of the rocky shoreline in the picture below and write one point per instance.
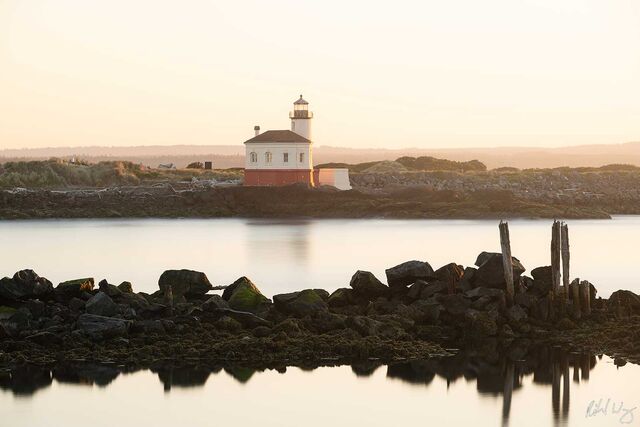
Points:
(205, 200)
(421, 313)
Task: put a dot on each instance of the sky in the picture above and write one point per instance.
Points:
(424, 74)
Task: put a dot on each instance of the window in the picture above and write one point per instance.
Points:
(253, 157)
(267, 157)
(301, 157)
(285, 157)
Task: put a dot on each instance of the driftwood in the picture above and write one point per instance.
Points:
(564, 243)
(575, 295)
(507, 263)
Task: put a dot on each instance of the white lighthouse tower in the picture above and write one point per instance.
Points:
(301, 118)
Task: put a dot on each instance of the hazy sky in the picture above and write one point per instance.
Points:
(377, 74)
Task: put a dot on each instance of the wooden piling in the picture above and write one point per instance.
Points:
(555, 256)
(585, 297)
(575, 295)
(507, 263)
(564, 243)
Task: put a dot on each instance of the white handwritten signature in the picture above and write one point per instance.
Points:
(610, 407)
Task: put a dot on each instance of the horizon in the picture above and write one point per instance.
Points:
(456, 75)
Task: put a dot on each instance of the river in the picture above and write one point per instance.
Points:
(282, 256)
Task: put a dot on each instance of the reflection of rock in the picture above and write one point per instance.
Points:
(182, 376)
(365, 369)
(87, 374)
(239, 373)
(26, 379)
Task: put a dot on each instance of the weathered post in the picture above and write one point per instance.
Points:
(575, 295)
(585, 297)
(564, 242)
(507, 263)
(555, 256)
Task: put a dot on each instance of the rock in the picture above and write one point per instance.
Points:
(434, 289)
(16, 322)
(246, 319)
(466, 282)
(148, 327)
(289, 327)
(404, 274)
(226, 323)
(6, 312)
(341, 297)
(126, 287)
(626, 299)
(261, 331)
(455, 304)
(416, 289)
(324, 322)
(101, 326)
(109, 289)
(516, 314)
(74, 288)
(366, 286)
(481, 303)
(24, 285)
(102, 305)
(484, 292)
(215, 302)
(565, 324)
(44, 338)
(184, 283)
(300, 304)
(506, 331)
(243, 295)
(423, 312)
(366, 327)
(490, 272)
(482, 323)
(526, 299)
(449, 273)
(542, 282)
(322, 294)
(36, 307)
(76, 304)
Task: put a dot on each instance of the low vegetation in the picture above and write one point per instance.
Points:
(57, 173)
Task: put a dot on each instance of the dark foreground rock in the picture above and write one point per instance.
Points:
(424, 311)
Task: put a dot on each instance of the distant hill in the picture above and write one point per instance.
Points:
(226, 156)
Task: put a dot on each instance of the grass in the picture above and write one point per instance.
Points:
(57, 173)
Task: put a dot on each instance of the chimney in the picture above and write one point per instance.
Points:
(257, 130)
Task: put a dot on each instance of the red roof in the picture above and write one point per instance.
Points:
(279, 136)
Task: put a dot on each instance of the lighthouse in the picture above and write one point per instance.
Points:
(282, 157)
(301, 118)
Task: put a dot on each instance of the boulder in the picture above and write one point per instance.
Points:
(404, 274)
(149, 327)
(422, 312)
(450, 273)
(484, 292)
(466, 281)
(482, 323)
(243, 295)
(109, 289)
(244, 318)
(300, 304)
(434, 288)
(76, 304)
(366, 326)
(25, 284)
(366, 286)
(341, 297)
(15, 321)
(101, 304)
(626, 299)
(74, 288)
(455, 304)
(184, 283)
(516, 314)
(36, 307)
(542, 282)
(45, 338)
(101, 326)
(490, 272)
(126, 287)
(213, 303)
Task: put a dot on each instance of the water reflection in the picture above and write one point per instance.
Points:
(496, 372)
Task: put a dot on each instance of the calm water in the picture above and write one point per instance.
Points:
(281, 256)
(546, 387)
